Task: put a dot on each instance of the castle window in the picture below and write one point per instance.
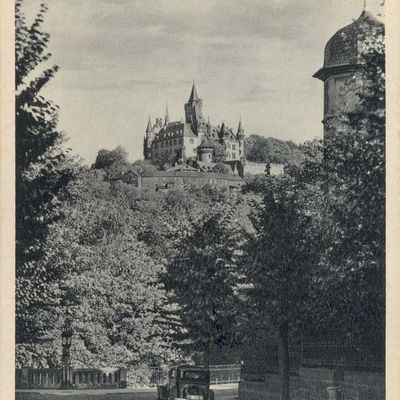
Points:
(233, 155)
(233, 147)
(174, 141)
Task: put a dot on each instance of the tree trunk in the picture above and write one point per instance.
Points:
(207, 354)
(284, 360)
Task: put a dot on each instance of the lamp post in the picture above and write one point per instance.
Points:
(66, 337)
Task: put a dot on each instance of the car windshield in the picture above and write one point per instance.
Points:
(192, 375)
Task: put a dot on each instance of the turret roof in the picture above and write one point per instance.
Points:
(240, 128)
(207, 144)
(149, 127)
(193, 94)
(342, 47)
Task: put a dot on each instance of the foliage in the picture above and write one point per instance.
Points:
(144, 166)
(281, 256)
(43, 169)
(221, 168)
(106, 158)
(111, 286)
(219, 153)
(355, 168)
(203, 275)
(108, 254)
(263, 150)
(165, 159)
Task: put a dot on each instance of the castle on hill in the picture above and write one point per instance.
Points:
(194, 140)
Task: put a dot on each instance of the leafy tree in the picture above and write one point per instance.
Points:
(219, 153)
(221, 168)
(106, 158)
(111, 286)
(261, 149)
(281, 256)
(203, 275)
(43, 169)
(144, 166)
(165, 159)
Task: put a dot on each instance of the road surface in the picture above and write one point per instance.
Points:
(222, 392)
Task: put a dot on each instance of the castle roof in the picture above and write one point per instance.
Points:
(175, 129)
(240, 128)
(193, 94)
(149, 127)
(207, 144)
(342, 49)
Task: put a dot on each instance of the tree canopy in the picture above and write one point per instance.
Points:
(203, 275)
(263, 150)
(43, 168)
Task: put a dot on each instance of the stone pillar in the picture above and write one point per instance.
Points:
(122, 378)
(66, 377)
(334, 392)
(25, 372)
(66, 334)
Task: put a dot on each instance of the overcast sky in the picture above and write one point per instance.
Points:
(122, 60)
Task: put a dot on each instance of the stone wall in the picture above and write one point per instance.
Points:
(301, 388)
(251, 168)
(312, 384)
(160, 180)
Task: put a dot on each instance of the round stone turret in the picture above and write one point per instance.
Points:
(342, 61)
(206, 150)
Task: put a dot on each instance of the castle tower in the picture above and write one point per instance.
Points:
(222, 132)
(193, 114)
(240, 138)
(205, 151)
(240, 131)
(148, 140)
(341, 63)
(166, 121)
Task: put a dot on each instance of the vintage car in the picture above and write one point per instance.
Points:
(186, 382)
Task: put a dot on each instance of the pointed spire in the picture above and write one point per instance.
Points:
(149, 127)
(193, 94)
(240, 131)
(240, 128)
(166, 115)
